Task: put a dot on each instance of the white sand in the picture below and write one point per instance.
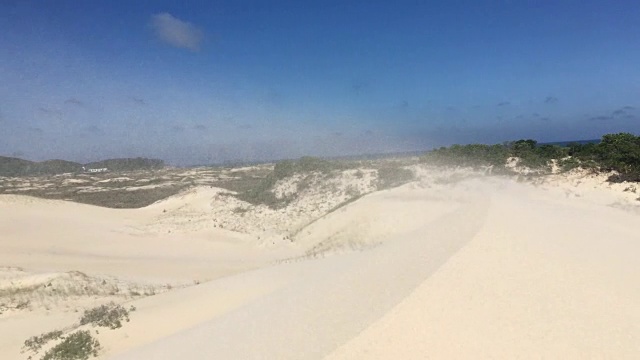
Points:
(542, 279)
(482, 268)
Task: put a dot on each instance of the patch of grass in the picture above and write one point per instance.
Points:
(35, 343)
(568, 164)
(117, 198)
(77, 346)
(393, 176)
(23, 304)
(240, 210)
(304, 184)
(15, 291)
(352, 191)
(241, 184)
(109, 315)
(261, 193)
(535, 162)
(122, 199)
(305, 164)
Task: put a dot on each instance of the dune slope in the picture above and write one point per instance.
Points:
(473, 267)
(513, 271)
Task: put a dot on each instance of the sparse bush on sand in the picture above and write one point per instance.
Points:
(77, 346)
(35, 343)
(109, 315)
(392, 176)
(568, 164)
(262, 193)
(305, 164)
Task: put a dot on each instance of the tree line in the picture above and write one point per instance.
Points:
(618, 152)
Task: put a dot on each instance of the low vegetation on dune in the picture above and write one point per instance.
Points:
(127, 183)
(263, 191)
(118, 199)
(615, 152)
(123, 187)
(109, 315)
(528, 153)
(127, 164)
(392, 175)
(80, 344)
(10, 166)
(313, 172)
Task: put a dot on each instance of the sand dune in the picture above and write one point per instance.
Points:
(53, 235)
(540, 280)
(475, 268)
(330, 300)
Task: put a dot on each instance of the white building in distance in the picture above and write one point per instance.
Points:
(101, 170)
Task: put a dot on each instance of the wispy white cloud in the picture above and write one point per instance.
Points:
(176, 32)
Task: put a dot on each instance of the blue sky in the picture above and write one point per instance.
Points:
(209, 81)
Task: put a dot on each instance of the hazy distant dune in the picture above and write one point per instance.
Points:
(18, 167)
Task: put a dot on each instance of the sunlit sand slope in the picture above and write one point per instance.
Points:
(506, 270)
(545, 277)
(62, 236)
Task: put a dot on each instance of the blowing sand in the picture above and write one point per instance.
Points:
(474, 268)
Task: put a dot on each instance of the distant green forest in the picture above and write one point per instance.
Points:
(10, 166)
(619, 152)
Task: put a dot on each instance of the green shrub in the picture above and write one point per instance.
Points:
(534, 161)
(284, 169)
(468, 155)
(35, 343)
(77, 346)
(305, 164)
(109, 315)
(392, 176)
(620, 152)
(262, 193)
(569, 164)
